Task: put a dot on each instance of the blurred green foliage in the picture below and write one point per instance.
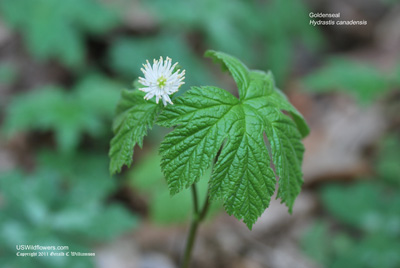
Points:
(56, 29)
(224, 24)
(340, 250)
(146, 176)
(367, 232)
(365, 82)
(282, 31)
(86, 108)
(61, 204)
(367, 206)
(263, 34)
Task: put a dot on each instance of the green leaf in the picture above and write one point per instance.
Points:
(240, 74)
(285, 29)
(49, 108)
(371, 209)
(134, 116)
(238, 70)
(209, 118)
(225, 23)
(55, 29)
(376, 250)
(365, 205)
(61, 203)
(315, 243)
(362, 81)
(335, 248)
(188, 150)
(105, 225)
(67, 113)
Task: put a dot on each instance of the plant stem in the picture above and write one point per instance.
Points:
(189, 243)
(198, 216)
(195, 200)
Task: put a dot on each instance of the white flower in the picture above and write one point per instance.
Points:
(160, 81)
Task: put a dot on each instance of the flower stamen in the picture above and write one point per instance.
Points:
(161, 82)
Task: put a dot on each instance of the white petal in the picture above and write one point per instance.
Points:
(161, 68)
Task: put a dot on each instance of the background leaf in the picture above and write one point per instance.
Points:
(68, 114)
(362, 81)
(56, 206)
(62, 38)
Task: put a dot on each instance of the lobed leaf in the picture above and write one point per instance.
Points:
(208, 119)
(134, 116)
(238, 70)
(210, 124)
(242, 176)
(188, 150)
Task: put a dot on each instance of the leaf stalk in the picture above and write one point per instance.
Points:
(198, 217)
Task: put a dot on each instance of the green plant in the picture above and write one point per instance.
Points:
(61, 204)
(366, 230)
(364, 82)
(284, 30)
(213, 126)
(84, 109)
(55, 29)
(224, 24)
(262, 32)
(66, 200)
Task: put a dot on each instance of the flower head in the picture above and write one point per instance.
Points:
(160, 81)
